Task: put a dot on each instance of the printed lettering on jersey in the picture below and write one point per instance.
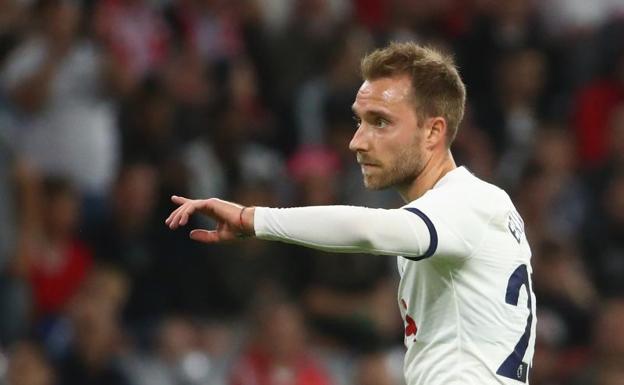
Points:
(516, 225)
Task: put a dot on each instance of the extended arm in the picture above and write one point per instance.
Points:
(331, 228)
(345, 229)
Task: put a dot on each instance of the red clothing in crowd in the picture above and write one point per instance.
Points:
(54, 284)
(594, 105)
(257, 368)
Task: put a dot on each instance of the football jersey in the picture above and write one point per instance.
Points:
(465, 290)
(467, 301)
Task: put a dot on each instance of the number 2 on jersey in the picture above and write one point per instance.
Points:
(513, 367)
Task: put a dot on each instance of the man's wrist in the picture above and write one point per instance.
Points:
(247, 220)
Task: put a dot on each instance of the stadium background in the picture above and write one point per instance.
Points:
(107, 107)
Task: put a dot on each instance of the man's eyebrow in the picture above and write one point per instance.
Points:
(373, 112)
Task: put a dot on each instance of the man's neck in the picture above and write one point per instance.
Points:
(435, 169)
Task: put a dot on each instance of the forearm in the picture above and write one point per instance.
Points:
(345, 229)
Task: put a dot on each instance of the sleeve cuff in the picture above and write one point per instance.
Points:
(260, 222)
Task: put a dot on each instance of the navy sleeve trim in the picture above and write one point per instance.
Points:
(433, 234)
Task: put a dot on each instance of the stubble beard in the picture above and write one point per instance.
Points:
(402, 172)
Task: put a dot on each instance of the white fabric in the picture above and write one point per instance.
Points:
(345, 229)
(457, 296)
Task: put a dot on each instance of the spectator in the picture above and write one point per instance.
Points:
(93, 356)
(595, 102)
(608, 347)
(55, 79)
(59, 261)
(598, 180)
(12, 25)
(498, 27)
(331, 94)
(136, 35)
(315, 172)
(278, 353)
(373, 369)
(511, 118)
(127, 239)
(209, 29)
(605, 247)
(29, 366)
(554, 154)
(19, 223)
(147, 124)
(567, 296)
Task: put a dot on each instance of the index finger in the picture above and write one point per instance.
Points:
(179, 200)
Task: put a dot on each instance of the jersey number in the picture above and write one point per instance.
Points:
(513, 367)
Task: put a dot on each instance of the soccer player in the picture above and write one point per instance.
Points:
(465, 291)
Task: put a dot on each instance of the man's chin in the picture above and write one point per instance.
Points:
(373, 185)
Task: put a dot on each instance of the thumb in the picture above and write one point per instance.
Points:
(204, 236)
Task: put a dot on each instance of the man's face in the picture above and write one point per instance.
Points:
(388, 141)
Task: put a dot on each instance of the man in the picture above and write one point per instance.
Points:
(465, 290)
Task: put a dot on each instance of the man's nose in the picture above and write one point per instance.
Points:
(358, 142)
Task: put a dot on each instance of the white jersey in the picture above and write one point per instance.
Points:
(467, 301)
(465, 291)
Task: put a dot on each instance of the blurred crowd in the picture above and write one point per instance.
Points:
(107, 107)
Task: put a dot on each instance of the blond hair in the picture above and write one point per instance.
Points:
(437, 86)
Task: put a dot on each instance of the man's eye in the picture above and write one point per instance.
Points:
(381, 123)
(357, 121)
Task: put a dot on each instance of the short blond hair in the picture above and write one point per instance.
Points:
(437, 86)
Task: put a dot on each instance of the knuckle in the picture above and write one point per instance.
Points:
(210, 202)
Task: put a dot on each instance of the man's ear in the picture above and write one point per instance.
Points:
(436, 132)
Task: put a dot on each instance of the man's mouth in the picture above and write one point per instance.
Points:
(368, 163)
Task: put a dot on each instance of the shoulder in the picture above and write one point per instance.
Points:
(459, 210)
(464, 204)
(460, 191)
